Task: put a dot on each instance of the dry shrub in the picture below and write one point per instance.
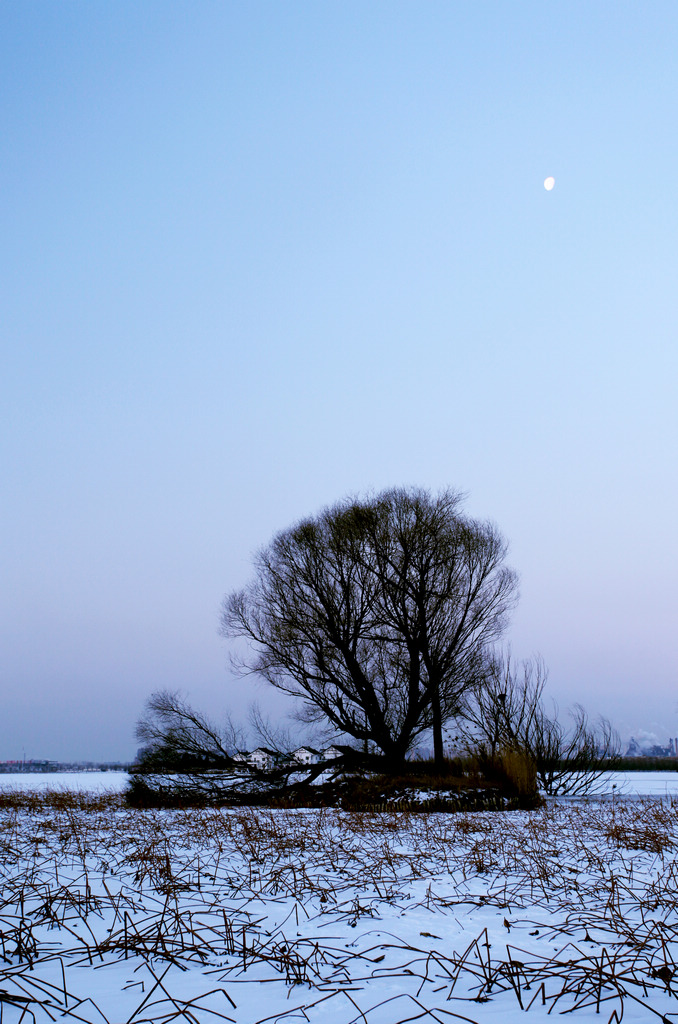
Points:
(59, 800)
(642, 825)
(514, 772)
(419, 785)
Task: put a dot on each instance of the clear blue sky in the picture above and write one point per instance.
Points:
(257, 256)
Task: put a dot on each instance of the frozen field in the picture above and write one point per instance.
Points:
(87, 782)
(328, 917)
(635, 784)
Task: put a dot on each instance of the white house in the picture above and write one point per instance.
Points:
(330, 753)
(305, 755)
(262, 758)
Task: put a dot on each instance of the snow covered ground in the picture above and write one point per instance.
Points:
(635, 784)
(87, 782)
(328, 917)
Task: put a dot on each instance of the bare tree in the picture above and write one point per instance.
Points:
(272, 734)
(377, 614)
(503, 704)
(506, 712)
(177, 736)
(189, 759)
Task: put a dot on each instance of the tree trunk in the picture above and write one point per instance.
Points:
(438, 753)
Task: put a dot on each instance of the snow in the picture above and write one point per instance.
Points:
(82, 782)
(329, 917)
(634, 784)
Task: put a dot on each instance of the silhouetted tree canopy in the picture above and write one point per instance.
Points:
(377, 613)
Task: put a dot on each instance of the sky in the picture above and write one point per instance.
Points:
(259, 256)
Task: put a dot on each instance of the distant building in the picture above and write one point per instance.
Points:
(331, 753)
(634, 749)
(29, 766)
(34, 766)
(306, 755)
(262, 758)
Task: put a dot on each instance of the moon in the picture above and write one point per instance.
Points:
(549, 183)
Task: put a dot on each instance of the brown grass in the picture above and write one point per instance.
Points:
(171, 891)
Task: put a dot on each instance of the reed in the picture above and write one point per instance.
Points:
(588, 896)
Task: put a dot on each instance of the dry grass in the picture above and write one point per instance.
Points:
(59, 799)
(87, 882)
(516, 773)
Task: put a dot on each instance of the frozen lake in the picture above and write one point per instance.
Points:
(638, 784)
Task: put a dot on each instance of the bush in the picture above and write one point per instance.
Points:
(514, 773)
(508, 713)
